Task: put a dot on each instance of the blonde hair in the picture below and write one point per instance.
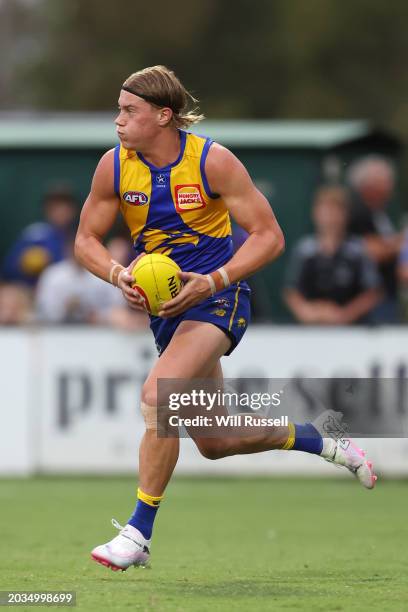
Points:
(159, 86)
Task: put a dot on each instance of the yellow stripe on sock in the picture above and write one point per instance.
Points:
(291, 438)
(149, 499)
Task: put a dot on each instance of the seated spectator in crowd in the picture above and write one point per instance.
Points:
(402, 274)
(331, 280)
(42, 243)
(67, 293)
(15, 304)
(372, 180)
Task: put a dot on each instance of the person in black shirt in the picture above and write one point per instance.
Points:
(372, 180)
(331, 280)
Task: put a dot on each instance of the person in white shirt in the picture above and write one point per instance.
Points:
(67, 293)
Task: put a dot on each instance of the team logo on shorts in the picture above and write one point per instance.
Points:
(220, 312)
(188, 197)
(222, 302)
(241, 322)
(135, 198)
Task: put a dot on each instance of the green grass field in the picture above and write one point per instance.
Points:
(229, 544)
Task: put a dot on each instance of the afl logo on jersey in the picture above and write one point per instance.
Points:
(188, 197)
(135, 198)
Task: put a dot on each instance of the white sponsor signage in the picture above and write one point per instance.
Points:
(70, 396)
(18, 388)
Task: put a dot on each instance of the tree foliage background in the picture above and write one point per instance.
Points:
(242, 58)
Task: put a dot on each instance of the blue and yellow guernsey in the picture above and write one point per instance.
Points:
(171, 210)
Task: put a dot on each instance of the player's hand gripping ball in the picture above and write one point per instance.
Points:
(156, 280)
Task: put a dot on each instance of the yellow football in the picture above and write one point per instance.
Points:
(157, 281)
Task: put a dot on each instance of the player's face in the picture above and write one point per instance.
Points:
(138, 122)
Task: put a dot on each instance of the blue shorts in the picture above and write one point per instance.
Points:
(228, 309)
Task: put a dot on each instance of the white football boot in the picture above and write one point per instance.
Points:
(126, 549)
(342, 451)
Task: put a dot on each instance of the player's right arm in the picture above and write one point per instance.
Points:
(97, 217)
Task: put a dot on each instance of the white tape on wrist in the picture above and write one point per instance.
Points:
(123, 270)
(211, 282)
(225, 277)
(112, 273)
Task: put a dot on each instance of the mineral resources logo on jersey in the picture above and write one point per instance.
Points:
(188, 197)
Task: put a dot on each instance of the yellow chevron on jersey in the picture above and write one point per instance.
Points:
(164, 242)
(171, 210)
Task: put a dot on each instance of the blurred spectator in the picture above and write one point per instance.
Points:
(67, 293)
(42, 243)
(402, 274)
(15, 304)
(121, 250)
(331, 280)
(372, 180)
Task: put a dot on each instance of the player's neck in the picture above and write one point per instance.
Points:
(165, 149)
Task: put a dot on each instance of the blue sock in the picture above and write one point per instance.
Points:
(145, 513)
(307, 439)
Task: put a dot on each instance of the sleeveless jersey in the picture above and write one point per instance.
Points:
(171, 210)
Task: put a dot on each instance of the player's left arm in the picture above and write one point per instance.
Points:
(250, 209)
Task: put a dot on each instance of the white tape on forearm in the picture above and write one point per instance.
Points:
(123, 270)
(112, 273)
(211, 282)
(225, 277)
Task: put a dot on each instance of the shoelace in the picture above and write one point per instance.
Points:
(124, 534)
(116, 524)
(122, 531)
